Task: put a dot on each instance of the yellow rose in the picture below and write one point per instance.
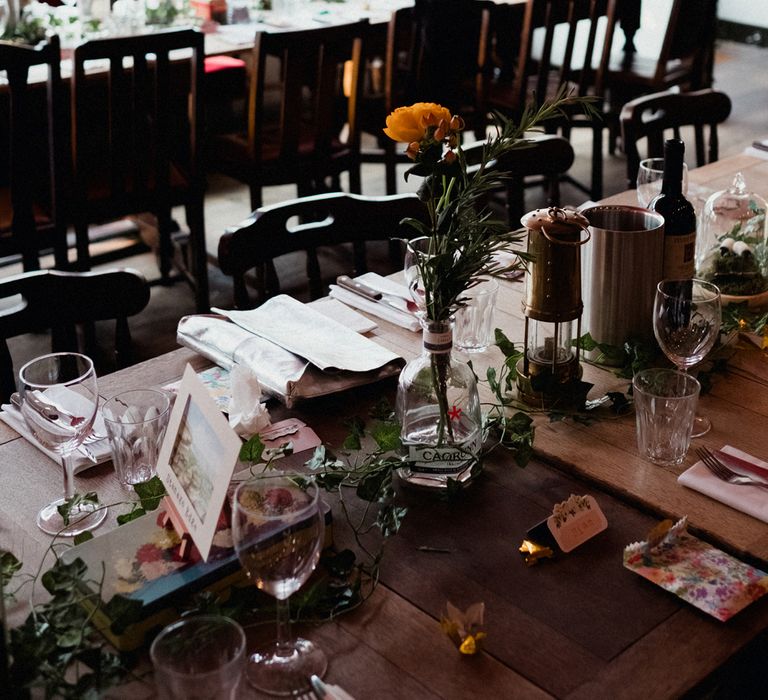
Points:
(409, 124)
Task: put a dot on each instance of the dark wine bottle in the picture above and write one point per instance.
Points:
(679, 216)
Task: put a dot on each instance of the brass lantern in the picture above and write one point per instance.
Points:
(549, 372)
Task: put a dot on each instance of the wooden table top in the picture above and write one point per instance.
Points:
(578, 626)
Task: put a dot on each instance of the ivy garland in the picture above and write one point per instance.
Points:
(59, 651)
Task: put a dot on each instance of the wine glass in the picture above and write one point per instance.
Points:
(650, 174)
(416, 251)
(686, 323)
(278, 531)
(59, 401)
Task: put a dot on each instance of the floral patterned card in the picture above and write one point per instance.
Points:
(697, 572)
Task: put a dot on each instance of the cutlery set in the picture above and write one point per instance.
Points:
(715, 464)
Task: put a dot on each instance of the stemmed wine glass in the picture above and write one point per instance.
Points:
(59, 401)
(686, 323)
(650, 174)
(278, 531)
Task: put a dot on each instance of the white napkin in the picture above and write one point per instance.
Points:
(378, 308)
(12, 417)
(326, 343)
(752, 500)
(247, 415)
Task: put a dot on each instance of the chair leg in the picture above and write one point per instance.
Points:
(597, 163)
(123, 346)
(355, 184)
(390, 167)
(199, 265)
(164, 229)
(83, 261)
(242, 299)
(60, 254)
(256, 196)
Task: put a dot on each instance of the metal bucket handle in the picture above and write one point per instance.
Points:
(560, 214)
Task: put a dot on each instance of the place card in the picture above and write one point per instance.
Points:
(695, 571)
(196, 461)
(573, 522)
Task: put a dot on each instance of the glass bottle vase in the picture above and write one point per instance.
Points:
(439, 413)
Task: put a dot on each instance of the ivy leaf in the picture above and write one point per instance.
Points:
(83, 537)
(382, 410)
(128, 517)
(356, 432)
(9, 565)
(371, 485)
(390, 518)
(619, 402)
(252, 450)
(318, 460)
(504, 344)
(387, 436)
(123, 611)
(61, 577)
(71, 505)
(150, 493)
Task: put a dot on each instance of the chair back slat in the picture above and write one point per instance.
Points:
(35, 155)
(326, 220)
(136, 134)
(651, 116)
(60, 301)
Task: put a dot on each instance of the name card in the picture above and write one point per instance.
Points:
(576, 520)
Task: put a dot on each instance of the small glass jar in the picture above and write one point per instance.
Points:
(439, 413)
(731, 250)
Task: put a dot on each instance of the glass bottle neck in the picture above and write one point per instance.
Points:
(437, 337)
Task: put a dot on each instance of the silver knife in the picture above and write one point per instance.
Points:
(742, 465)
(364, 290)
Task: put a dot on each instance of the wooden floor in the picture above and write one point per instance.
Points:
(739, 71)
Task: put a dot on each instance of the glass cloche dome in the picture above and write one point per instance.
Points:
(731, 247)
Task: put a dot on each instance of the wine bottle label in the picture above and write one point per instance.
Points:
(438, 342)
(680, 256)
(448, 459)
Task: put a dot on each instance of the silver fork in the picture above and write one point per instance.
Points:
(722, 472)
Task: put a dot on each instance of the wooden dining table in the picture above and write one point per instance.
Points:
(576, 626)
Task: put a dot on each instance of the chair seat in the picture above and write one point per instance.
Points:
(42, 217)
(231, 154)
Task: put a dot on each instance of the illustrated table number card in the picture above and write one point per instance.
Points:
(694, 570)
(196, 461)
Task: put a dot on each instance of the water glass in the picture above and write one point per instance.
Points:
(649, 177)
(474, 323)
(665, 406)
(199, 657)
(136, 421)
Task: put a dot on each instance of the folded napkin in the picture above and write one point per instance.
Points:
(12, 417)
(752, 500)
(380, 309)
(296, 352)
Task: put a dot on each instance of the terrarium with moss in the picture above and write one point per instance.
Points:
(731, 248)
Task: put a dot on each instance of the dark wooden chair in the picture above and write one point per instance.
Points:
(326, 220)
(545, 157)
(63, 301)
(651, 116)
(294, 128)
(435, 52)
(685, 59)
(563, 43)
(136, 135)
(31, 217)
